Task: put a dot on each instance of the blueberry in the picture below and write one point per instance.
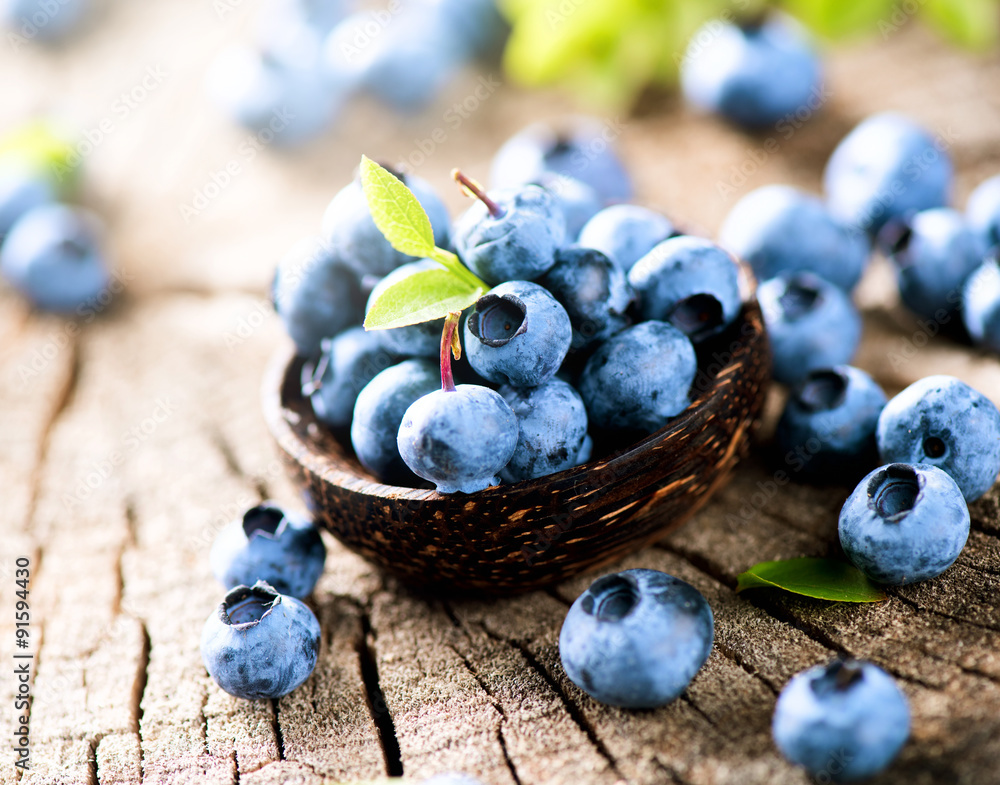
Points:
(319, 15)
(577, 201)
(259, 643)
(982, 211)
(413, 58)
(843, 721)
(810, 322)
(351, 232)
(43, 20)
(981, 305)
(636, 638)
(586, 451)
(518, 334)
(691, 283)
(904, 523)
(21, 190)
(284, 100)
(933, 253)
(779, 229)
(51, 256)
(458, 439)
(582, 151)
(754, 74)
(943, 422)
(415, 340)
(316, 295)
(475, 25)
(379, 411)
(269, 544)
(514, 236)
(626, 232)
(886, 168)
(828, 425)
(349, 362)
(594, 292)
(639, 378)
(552, 425)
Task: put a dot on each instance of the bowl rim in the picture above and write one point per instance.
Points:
(284, 366)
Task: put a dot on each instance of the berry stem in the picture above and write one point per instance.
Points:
(449, 345)
(474, 188)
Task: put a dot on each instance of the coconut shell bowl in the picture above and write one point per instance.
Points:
(527, 535)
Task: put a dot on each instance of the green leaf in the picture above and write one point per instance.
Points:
(824, 579)
(41, 147)
(396, 211)
(971, 23)
(421, 297)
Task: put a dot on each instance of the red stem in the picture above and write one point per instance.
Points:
(447, 339)
(477, 190)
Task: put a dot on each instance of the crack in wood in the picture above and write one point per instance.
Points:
(941, 614)
(377, 705)
(62, 402)
(574, 711)
(276, 722)
(140, 690)
(489, 693)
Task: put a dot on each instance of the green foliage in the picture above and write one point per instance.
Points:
(41, 147)
(823, 579)
(425, 295)
(608, 51)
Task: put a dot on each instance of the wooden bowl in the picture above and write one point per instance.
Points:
(519, 537)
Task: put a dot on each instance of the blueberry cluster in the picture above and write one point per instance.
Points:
(590, 326)
(263, 641)
(311, 56)
(50, 251)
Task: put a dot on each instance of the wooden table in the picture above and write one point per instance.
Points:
(128, 440)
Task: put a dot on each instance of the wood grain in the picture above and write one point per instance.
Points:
(410, 683)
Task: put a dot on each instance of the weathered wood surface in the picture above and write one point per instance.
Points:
(124, 447)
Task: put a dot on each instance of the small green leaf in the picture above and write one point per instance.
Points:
(824, 579)
(396, 211)
(421, 297)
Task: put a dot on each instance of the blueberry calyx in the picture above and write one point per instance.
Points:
(498, 319)
(893, 492)
(838, 676)
(935, 447)
(245, 606)
(264, 521)
(697, 316)
(894, 239)
(799, 299)
(611, 598)
(822, 390)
